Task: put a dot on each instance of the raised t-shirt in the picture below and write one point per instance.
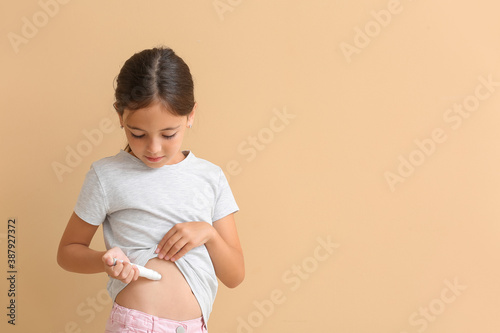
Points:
(137, 205)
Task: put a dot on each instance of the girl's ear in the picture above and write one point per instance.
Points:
(190, 117)
(121, 119)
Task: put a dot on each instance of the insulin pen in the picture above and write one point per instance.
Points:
(143, 271)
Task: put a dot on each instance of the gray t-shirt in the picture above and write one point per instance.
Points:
(137, 205)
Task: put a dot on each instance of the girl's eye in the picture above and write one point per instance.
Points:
(168, 137)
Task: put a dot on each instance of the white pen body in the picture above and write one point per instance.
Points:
(144, 272)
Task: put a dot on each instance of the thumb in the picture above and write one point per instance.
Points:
(107, 259)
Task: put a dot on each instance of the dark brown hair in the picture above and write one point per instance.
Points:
(155, 75)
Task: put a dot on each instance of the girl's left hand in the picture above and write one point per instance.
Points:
(182, 238)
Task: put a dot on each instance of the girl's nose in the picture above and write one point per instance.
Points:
(154, 146)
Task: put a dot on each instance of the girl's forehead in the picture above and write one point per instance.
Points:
(152, 114)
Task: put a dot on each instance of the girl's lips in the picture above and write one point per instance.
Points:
(154, 159)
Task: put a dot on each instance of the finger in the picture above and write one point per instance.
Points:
(125, 272)
(116, 270)
(122, 270)
(136, 273)
(178, 246)
(131, 275)
(107, 259)
(185, 249)
(167, 247)
(165, 238)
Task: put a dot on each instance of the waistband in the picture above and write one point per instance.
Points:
(135, 318)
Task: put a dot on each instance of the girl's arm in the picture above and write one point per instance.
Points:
(222, 243)
(226, 253)
(74, 254)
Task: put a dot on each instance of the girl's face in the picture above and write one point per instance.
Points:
(155, 135)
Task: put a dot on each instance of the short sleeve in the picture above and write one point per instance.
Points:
(225, 203)
(91, 205)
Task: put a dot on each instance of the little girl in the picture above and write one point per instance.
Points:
(160, 207)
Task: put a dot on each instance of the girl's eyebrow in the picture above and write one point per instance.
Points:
(165, 129)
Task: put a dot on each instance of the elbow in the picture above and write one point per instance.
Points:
(61, 258)
(235, 281)
(234, 284)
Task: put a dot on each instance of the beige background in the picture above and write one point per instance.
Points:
(318, 176)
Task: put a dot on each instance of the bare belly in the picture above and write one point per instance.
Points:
(171, 297)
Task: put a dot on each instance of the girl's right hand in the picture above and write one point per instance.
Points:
(125, 271)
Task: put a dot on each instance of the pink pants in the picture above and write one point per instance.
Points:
(125, 320)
